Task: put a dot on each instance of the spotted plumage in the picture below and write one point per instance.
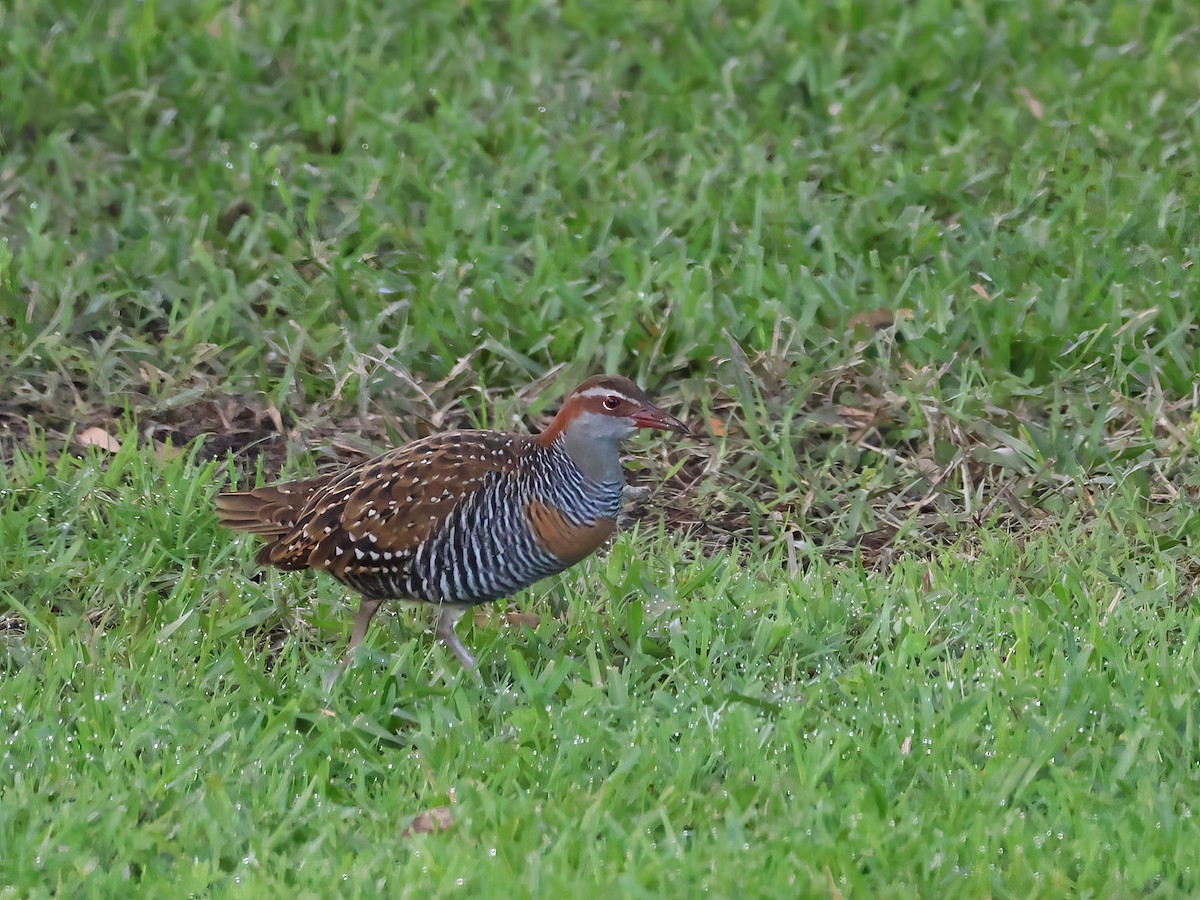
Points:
(459, 518)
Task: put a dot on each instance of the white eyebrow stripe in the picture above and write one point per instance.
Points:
(604, 392)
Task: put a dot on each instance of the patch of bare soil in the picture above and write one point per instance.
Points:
(867, 459)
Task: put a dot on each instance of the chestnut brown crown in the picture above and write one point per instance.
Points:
(612, 397)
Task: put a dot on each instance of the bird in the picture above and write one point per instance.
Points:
(458, 518)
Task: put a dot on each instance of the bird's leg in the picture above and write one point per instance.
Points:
(366, 612)
(447, 618)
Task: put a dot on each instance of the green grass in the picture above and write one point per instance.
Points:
(1019, 723)
(920, 618)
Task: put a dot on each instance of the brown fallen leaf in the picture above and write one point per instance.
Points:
(483, 617)
(981, 291)
(439, 818)
(855, 417)
(876, 319)
(276, 418)
(717, 427)
(98, 437)
(872, 319)
(517, 619)
(153, 376)
(1032, 103)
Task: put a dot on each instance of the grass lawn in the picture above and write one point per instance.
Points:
(915, 615)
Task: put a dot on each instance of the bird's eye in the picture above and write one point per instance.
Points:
(611, 402)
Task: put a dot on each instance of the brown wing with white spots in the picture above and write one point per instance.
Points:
(369, 517)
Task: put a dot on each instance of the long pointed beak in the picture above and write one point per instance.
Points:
(652, 417)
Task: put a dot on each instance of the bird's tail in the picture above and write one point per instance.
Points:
(268, 511)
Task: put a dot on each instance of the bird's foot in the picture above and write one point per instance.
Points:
(448, 616)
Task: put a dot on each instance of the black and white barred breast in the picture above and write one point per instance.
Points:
(519, 523)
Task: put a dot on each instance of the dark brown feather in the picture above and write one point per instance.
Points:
(393, 503)
(270, 510)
